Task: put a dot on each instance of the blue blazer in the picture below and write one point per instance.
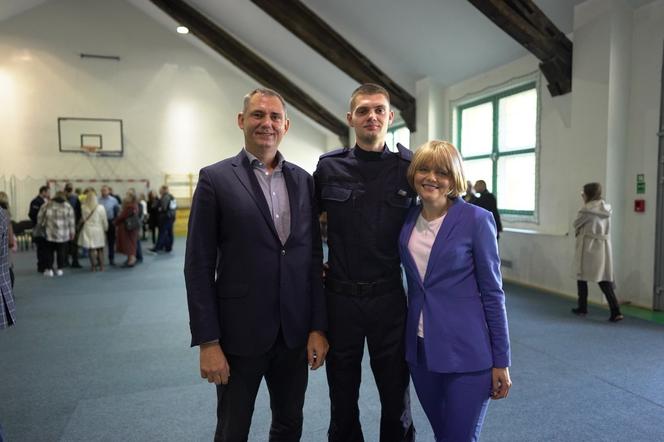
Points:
(461, 296)
(243, 285)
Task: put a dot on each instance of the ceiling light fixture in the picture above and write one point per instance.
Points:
(182, 30)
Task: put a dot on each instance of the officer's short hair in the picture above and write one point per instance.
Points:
(368, 89)
(441, 155)
(43, 189)
(263, 91)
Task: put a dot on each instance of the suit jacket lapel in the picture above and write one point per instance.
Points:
(293, 185)
(406, 232)
(451, 220)
(247, 178)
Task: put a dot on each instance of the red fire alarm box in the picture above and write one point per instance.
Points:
(639, 205)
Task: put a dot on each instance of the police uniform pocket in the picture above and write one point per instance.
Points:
(334, 193)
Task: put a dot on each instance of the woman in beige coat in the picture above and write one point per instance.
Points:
(592, 260)
(93, 231)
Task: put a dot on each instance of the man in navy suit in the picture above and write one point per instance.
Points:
(253, 271)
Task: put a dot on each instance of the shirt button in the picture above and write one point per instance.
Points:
(283, 253)
(277, 216)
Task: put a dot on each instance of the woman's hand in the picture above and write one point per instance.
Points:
(501, 383)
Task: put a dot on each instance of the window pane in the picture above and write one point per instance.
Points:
(479, 170)
(477, 130)
(518, 119)
(516, 182)
(402, 135)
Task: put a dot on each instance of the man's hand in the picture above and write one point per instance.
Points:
(501, 383)
(214, 366)
(317, 348)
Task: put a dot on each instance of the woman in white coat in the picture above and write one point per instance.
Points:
(93, 231)
(592, 260)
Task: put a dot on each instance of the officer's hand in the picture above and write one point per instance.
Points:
(214, 366)
(317, 348)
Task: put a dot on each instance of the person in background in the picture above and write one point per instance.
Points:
(127, 238)
(487, 201)
(93, 230)
(144, 216)
(167, 207)
(38, 232)
(366, 196)
(72, 250)
(457, 340)
(11, 238)
(60, 223)
(7, 306)
(592, 258)
(117, 197)
(112, 209)
(469, 196)
(153, 215)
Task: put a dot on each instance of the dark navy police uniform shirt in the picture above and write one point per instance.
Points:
(366, 197)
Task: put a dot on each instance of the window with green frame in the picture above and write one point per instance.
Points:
(398, 133)
(497, 138)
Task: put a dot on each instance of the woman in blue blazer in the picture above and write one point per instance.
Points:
(457, 342)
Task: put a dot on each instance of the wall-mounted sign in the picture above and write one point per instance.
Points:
(640, 183)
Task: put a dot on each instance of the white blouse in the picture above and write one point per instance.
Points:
(420, 245)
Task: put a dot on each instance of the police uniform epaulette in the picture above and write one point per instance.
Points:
(404, 152)
(334, 153)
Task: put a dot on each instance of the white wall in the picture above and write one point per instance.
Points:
(604, 130)
(178, 104)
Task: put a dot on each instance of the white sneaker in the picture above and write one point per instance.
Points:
(48, 273)
(59, 272)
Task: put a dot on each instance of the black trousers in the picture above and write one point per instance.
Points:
(286, 374)
(609, 294)
(110, 239)
(60, 251)
(42, 253)
(379, 320)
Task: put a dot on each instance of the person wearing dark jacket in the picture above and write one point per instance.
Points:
(166, 219)
(38, 234)
(75, 203)
(487, 201)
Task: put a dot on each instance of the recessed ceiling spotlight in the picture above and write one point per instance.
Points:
(182, 30)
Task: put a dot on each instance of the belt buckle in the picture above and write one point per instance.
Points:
(364, 288)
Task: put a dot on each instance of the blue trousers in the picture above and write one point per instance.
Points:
(455, 403)
(165, 238)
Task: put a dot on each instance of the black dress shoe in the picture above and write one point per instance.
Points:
(579, 312)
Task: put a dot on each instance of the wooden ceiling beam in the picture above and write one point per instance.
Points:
(312, 30)
(529, 26)
(248, 61)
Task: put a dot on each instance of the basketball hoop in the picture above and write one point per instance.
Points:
(90, 150)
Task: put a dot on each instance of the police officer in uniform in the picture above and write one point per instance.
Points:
(366, 196)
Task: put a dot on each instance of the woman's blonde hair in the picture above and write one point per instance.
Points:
(440, 155)
(91, 199)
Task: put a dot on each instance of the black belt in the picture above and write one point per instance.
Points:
(363, 288)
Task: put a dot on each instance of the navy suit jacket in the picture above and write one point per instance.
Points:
(461, 296)
(243, 285)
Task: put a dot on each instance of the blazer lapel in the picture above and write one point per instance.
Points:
(451, 220)
(406, 232)
(247, 178)
(293, 184)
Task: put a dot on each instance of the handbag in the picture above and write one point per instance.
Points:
(132, 222)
